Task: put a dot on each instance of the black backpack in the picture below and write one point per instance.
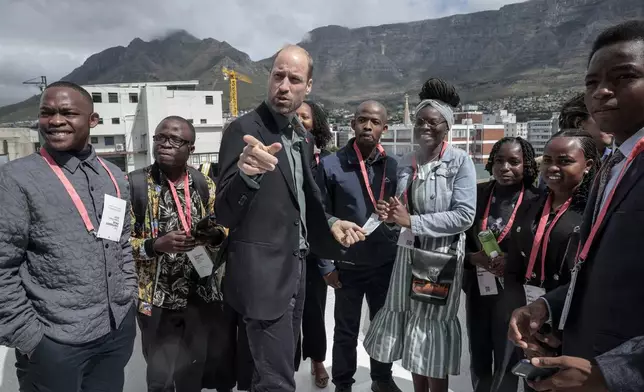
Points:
(139, 191)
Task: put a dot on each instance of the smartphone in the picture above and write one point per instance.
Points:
(530, 372)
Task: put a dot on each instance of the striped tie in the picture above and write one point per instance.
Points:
(614, 159)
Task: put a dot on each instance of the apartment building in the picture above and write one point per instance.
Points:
(516, 130)
(540, 131)
(130, 112)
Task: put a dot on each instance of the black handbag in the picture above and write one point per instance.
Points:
(433, 274)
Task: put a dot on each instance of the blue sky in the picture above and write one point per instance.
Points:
(40, 37)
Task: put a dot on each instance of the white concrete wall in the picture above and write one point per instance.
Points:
(19, 142)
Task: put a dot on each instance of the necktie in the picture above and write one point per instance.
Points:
(614, 159)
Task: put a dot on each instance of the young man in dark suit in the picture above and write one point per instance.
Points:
(274, 217)
(599, 311)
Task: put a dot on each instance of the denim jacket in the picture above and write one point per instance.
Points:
(452, 194)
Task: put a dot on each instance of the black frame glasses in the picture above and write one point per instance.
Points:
(421, 123)
(174, 141)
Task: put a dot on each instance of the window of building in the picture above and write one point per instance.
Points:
(113, 97)
(100, 120)
(97, 97)
(209, 100)
(134, 98)
(109, 140)
(94, 140)
(116, 120)
(191, 121)
(204, 121)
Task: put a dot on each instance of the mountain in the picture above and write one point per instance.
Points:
(529, 48)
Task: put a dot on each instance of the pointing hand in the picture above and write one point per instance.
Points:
(256, 158)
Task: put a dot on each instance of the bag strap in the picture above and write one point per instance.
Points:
(200, 183)
(139, 195)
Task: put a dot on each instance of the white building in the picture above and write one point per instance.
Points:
(130, 112)
(397, 140)
(17, 143)
(516, 130)
(540, 131)
(499, 117)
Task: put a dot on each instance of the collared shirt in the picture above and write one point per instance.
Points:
(291, 131)
(625, 148)
(607, 152)
(56, 278)
(168, 280)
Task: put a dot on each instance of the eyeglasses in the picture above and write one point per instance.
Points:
(421, 123)
(175, 142)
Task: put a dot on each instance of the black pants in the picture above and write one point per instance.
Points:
(356, 284)
(185, 349)
(272, 343)
(245, 368)
(487, 328)
(97, 366)
(312, 342)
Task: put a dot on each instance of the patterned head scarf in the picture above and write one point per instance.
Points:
(443, 108)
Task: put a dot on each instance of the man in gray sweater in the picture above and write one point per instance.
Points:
(67, 279)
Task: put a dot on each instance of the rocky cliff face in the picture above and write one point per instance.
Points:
(533, 46)
(527, 48)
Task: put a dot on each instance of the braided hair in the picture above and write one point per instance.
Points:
(573, 113)
(321, 130)
(530, 170)
(440, 90)
(588, 146)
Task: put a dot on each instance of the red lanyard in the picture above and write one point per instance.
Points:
(185, 218)
(541, 239)
(639, 147)
(78, 203)
(365, 176)
(414, 168)
(508, 225)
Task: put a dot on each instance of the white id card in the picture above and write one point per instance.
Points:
(532, 293)
(201, 261)
(487, 282)
(372, 224)
(111, 227)
(406, 238)
(571, 291)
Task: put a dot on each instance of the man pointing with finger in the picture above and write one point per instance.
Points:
(268, 198)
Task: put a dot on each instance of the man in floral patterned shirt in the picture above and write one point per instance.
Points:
(179, 306)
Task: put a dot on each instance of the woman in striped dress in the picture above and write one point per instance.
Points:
(441, 182)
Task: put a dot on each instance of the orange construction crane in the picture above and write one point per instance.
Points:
(233, 76)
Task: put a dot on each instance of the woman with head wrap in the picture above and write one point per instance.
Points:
(435, 204)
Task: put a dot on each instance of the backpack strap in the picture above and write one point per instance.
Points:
(200, 183)
(205, 169)
(139, 196)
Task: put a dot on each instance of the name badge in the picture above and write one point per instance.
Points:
(487, 282)
(533, 293)
(111, 227)
(200, 259)
(406, 238)
(372, 224)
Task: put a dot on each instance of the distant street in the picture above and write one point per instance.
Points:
(135, 372)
